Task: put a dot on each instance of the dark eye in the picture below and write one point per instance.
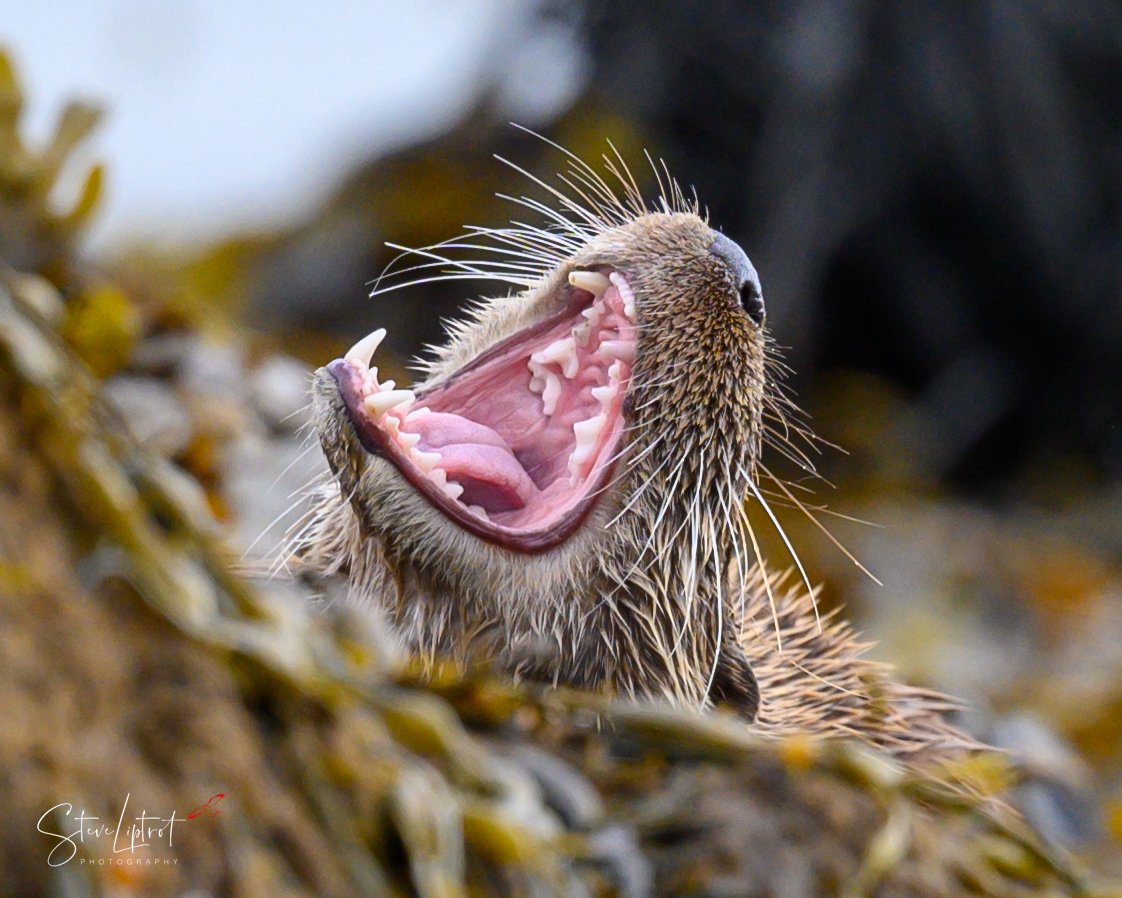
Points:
(753, 301)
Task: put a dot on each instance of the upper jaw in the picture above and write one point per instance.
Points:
(554, 381)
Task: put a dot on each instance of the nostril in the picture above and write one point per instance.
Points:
(751, 296)
(752, 301)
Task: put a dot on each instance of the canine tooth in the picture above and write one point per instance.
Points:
(604, 395)
(363, 351)
(592, 281)
(426, 461)
(453, 490)
(408, 440)
(625, 292)
(551, 393)
(380, 403)
(479, 511)
(618, 349)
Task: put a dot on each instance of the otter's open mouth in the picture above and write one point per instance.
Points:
(518, 444)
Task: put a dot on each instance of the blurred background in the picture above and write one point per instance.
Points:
(930, 192)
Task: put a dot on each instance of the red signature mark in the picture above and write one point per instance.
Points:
(211, 805)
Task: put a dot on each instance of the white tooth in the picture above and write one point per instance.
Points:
(563, 352)
(625, 293)
(363, 351)
(551, 393)
(479, 511)
(380, 403)
(581, 333)
(594, 314)
(587, 433)
(618, 349)
(604, 395)
(537, 384)
(388, 385)
(615, 372)
(439, 476)
(408, 440)
(592, 281)
(453, 490)
(417, 413)
(588, 430)
(426, 461)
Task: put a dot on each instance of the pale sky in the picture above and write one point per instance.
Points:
(231, 114)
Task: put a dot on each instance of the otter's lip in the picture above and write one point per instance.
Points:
(603, 364)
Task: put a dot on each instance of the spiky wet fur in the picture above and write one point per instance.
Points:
(645, 598)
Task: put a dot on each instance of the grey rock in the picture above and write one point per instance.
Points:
(279, 389)
(153, 413)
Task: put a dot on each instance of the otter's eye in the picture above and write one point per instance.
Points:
(752, 301)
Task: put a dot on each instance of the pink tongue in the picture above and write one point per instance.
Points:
(477, 458)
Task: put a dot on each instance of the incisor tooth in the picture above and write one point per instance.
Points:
(625, 293)
(363, 351)
(380, 403)
(592, 281)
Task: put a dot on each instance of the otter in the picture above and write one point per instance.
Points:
(563, 495)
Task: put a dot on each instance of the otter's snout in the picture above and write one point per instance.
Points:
(744, 272)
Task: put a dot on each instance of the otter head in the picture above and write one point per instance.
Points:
(563, 493)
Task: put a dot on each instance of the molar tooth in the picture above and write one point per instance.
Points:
(615, 372)
(618, 349)
(537, 384)
(426, 461)
(363, 351)
(563, 351)
(380, 403)
(453, 490)
(581, 334)
(594, 313)
(408, 440)
(592, 281)
(417, 413)
(479, 511)
(551, 392)
(439, 476)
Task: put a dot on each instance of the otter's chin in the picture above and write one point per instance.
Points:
(518, 445)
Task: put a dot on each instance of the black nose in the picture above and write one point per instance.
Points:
(751, 295)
